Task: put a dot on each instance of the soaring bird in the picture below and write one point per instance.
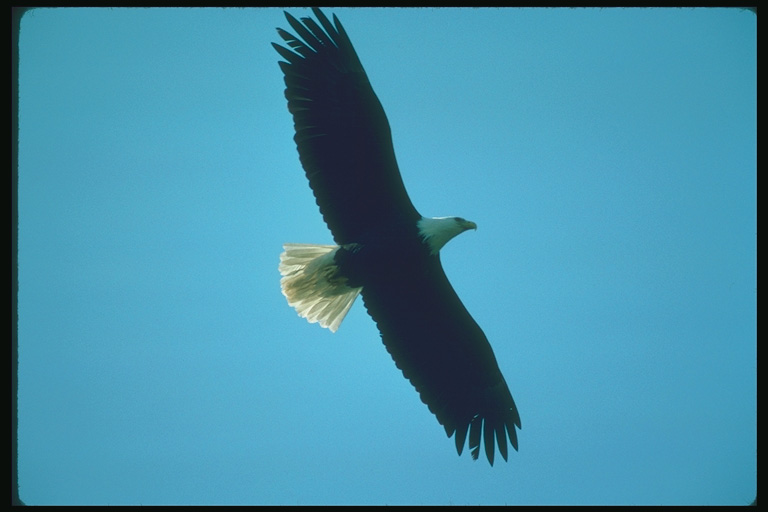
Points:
(384, 249)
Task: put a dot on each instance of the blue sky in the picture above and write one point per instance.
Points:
(608, 157)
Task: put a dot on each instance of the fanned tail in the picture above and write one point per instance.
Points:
(313, 285)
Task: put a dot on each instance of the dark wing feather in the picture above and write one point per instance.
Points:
(342, 133)
(444, 353)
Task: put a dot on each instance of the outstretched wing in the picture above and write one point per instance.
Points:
(446, 356)
(342, 132)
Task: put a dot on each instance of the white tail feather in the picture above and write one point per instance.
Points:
(313, 286)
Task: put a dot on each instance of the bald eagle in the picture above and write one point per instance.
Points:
(384, 250)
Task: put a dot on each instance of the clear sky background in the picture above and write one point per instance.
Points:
(608, 157)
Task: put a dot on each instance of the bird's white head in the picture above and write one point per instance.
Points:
(437, 231)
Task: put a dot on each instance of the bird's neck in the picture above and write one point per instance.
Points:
(437, 231)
